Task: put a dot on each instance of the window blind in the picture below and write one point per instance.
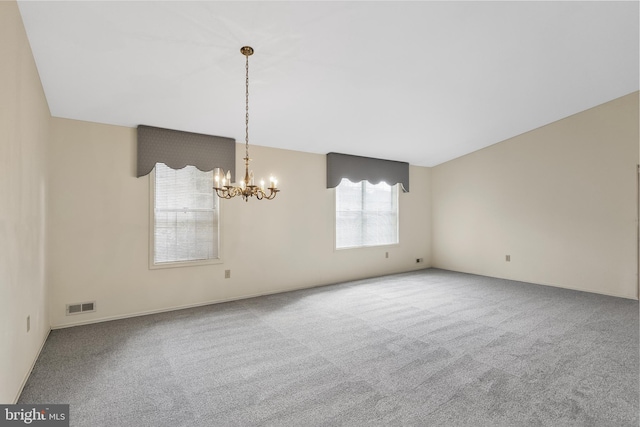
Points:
(185, 215)
(366, 214)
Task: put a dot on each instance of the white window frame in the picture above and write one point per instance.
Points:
(152, 226)
(335, 222)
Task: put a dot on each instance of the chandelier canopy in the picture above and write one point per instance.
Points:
(247, 188)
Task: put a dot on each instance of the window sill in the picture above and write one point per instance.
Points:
(181, 264)
(346, 248)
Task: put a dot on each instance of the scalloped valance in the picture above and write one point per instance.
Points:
(357, 169)
(178, 149)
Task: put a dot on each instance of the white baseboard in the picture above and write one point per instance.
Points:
(175, 308)
(552, 285)
(33, 364)
(218, 301)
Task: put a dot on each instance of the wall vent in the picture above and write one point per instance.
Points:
(83, 307)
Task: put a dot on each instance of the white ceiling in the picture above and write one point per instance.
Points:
(423, 82)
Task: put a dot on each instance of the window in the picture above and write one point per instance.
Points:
(366, 214)
(185, 216)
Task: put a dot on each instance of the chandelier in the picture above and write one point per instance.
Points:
(247, 187)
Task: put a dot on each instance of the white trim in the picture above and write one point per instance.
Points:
(243, 297)
(638, 231)
(151, 229)
(570, 288)
(348, 248)
(186, 306)
(220, 301)
(33, 364)
(397, 190)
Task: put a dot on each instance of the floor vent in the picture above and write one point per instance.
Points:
(83, 307)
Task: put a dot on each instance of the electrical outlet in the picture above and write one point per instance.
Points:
(507, 258)
(419, 260)
(386, 254)
(28, 323)
(227, 274)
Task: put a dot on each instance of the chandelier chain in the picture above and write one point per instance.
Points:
(246, 122)
(222, 182)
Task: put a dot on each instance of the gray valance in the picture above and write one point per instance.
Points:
(357, 169)
(178, 149)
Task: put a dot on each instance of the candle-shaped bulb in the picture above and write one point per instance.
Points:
(229, 176)
(262, 184)
(251, 180)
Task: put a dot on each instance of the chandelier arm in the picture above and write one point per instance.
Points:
(223, 194)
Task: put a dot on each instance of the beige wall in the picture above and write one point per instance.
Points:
(24, 130)
(99, 231)
(561, 200)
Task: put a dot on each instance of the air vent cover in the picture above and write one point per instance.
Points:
(83, 307)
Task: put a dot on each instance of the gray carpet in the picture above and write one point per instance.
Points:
(428, 348)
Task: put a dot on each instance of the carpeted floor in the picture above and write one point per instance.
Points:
(428, 348)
